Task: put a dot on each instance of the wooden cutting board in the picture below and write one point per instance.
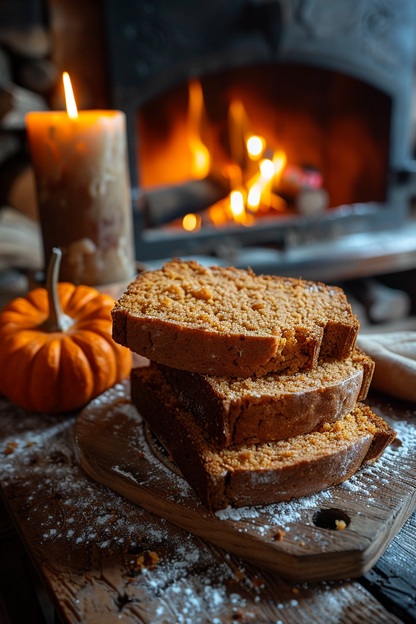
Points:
(298, 539)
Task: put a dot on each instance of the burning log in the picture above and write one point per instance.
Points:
(165, 204)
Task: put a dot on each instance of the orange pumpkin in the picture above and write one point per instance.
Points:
(56, 350)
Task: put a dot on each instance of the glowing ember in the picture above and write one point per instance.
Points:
(71, 106)
(267, 169)
(255, 146)
(254, 196)
(190, 222)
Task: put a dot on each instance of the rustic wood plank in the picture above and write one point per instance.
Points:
(393, 580)
(93, 549)
(16, 581)
(6, 527)
(376, 501)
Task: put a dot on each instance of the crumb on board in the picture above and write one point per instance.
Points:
(145, 560)
(258, 582)
(10, 448)
(239, 574)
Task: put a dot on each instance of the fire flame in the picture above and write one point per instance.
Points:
(237, 130)
(252, 184)
(201, 160)
(237, 204)
(279, 162)
(218, 214)
(71, 106)
(254, 197)
(267, 169)
(255, 147)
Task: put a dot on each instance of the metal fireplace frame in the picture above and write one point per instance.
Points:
(154, 45)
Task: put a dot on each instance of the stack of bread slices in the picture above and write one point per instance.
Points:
(254, 382)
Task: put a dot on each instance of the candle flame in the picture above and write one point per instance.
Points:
(71, 106)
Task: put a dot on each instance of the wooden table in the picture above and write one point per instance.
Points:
(104, 560)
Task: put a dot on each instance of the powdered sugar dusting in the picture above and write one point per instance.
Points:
(118, 561)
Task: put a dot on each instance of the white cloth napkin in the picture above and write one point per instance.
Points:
(395, 357)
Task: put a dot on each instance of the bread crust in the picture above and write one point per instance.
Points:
(192, 349)
(226, 477)
(204, 346)
(254, 411)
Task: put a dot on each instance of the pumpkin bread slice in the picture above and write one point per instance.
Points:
(257, 474)
(229, 322)
(273, 407)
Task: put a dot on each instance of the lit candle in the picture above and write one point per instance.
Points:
(80, 163)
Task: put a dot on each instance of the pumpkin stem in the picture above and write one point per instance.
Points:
(57, 320)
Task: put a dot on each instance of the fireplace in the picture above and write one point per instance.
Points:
(324, 88)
